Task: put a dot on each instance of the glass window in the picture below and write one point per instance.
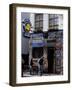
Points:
(38, 22)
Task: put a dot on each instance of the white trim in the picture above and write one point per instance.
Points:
(45, 22)
(32, 19)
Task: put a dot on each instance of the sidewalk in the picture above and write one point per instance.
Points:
(27, 74)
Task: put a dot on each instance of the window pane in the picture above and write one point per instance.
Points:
(37, 24)
(41, 17)
(36, 17)
(41, 23)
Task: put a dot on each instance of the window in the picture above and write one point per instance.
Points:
(55, 21)
(38, 22)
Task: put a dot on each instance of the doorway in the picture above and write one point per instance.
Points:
(37, 52)
(50, 59)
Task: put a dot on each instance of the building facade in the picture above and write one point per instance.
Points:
(52, 27)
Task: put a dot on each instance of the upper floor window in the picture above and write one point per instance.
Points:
(38, 22)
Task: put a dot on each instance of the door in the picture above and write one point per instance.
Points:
(50, 59)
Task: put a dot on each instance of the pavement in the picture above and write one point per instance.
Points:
(27, 74)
